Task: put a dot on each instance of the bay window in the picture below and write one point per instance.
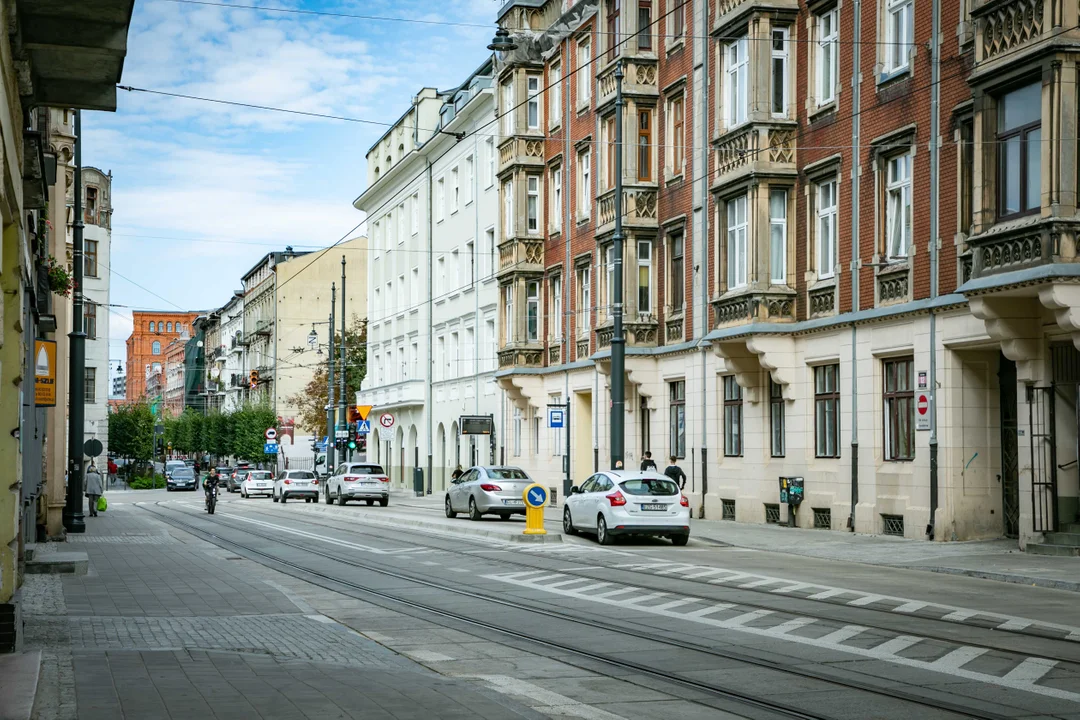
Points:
(736, 242)
(644, 145)
(898, 207)
(779, 76)
(1019, 146)
(532, 83)
(532, 203)
(737, 78)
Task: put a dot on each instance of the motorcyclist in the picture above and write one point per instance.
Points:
(210, 484)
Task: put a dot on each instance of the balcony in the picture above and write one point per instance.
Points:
(639, 208)
(521, 355)
(1001, 26)
(757, 148)
(674, 326)
(822, 301)
(894, 286)
(1018, 245)
(639, 80)
(525, 151)
(521, 256)
(402, 394)
(263, 327)
(640, 331)
(754, 306)
(555, 354)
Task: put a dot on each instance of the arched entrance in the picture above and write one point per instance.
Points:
(440, 458)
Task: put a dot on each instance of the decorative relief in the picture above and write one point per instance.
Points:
(733, 153)
(518, 357)
(675, 330)
(893, 288)
(534, 148)
(729, 311)
(781, 145)
(645, 204)
(1011, 25)
(646, 74)
(965, 268)
(506, 255)
(506, 358)
(555, 355)
(607, 82)
(725, 6)
(603, 337)
(582, 349)
(534, 253)
(822, 302)
(781, 308)
(1006, 254)
(645, 335)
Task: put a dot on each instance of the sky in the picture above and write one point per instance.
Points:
(201, 191)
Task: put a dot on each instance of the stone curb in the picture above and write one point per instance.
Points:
(75, 563)
(1014, 578)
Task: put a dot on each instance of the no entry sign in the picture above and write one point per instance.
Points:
(922, 411)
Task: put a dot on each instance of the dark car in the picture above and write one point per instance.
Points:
(233, 479)
(182, 478)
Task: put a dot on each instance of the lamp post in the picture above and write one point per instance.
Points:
(618, 342)
(331, 426)
(72, 515)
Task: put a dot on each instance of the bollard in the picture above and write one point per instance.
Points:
(535, 497)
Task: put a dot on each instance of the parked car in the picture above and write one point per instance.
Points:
(233, 479)
(358, 481)
(622, 502)
(257, 482)
(488, 490)
(181, 478)
(296, 484)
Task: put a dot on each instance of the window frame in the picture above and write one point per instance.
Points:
(737, 235)
(614, 11)
(90, 258)
(555, 99)
(508, 313)
(645, 269)
(777, 420)
(585, 299)
(532, 311)
(556, 198)
(645, 145)
(830, 214)
(826, 401)
(898, 192)
(826, 46)
(677, 108)
(155, 348)
(677, 301)
(733, 417)
(584, 184)
(90, 385)
(897, 402)
(556, 307)
(644, 25)
(778, 237)
(508, 208)
(506, 92)
(783, 56)
(677, 418)
(736, 76)
(532, 107)
(678, 22)
(1022, 134)
(584, 60)
(609, 133)
(532, 203)
(90, 319)
(899, 18)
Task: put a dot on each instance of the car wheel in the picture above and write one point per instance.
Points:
(384, 502)
(449, 508)
(274, 498)
(602, 535)
(474, 512)
(568, 523)
(341, 499)
(370, 503)
(329, 500)
(679, 540)
(282, 498)
(243, 494)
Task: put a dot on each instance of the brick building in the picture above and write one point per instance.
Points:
(786, 311)
(151, 334)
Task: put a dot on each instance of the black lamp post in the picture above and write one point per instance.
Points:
(618, 342)
(502, 42)
(72, 515)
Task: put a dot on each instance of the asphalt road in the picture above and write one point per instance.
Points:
(648, 630)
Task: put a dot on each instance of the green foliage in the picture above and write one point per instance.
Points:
(147, 483)
(311, 403)
(131, 432)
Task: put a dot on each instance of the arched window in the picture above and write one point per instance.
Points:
(179, 327)
(151, 326)
(169, 327)
(155, 349)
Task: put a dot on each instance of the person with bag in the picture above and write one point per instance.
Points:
(94, 489)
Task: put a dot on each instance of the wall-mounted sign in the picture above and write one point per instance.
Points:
(45, 373)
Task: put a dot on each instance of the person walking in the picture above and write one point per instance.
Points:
(94, 490)
(113, 469)
(647, 463)
(675, 472)
(457, 473)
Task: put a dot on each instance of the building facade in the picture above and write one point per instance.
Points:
(431, 207)
(864, 274)
(231, 358)
(152, 333)
(119, 387)
(97, 248)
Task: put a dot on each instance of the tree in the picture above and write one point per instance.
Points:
(249, 431)
(131, 432)
(311, 403)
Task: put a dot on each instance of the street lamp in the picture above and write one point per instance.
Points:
(502, 42)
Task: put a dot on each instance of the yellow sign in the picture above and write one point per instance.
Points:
(362, 411)
(45, 373)
(535, 497)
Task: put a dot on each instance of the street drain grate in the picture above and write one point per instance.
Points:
(728, 509)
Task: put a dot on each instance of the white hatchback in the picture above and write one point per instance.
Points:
(257, 482)
(296, 484)
(621, 502)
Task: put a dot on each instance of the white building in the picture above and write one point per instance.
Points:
(432, 290)
(231, 361)
(97, 238)
(119, 387)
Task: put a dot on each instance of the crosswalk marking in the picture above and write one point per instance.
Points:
(1031, 670)
(836, 637)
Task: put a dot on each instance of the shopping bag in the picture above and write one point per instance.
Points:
(102, 504)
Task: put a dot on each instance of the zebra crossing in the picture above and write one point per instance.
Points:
(741, 580)
(963, 661)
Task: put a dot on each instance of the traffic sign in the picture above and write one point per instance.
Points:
(321, 445)
(556, 417)
(535, 496)
(362, 411)
(922, 407)
(364, 427)
(270, 433)
(92, 447)
(386, 420)
(342, 433)
(270, 448)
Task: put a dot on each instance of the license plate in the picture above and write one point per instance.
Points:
(653, 506)
(369, 484)
(513, 502)
(302, 484)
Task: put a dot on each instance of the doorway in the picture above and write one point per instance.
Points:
(1010, 475)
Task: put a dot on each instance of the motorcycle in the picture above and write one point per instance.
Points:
(211, 500)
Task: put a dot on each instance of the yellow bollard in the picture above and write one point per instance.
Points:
(535, 497)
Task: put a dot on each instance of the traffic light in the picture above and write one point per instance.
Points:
(352, 443)
(254, 379)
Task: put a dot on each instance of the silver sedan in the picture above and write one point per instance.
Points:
(488, 490)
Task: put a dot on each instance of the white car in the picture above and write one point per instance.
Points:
(257, 482)
(621, 502)
(358, 481)
(296, 484)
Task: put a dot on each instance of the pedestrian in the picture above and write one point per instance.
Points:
(113, 470)
(456, 474)
(647, 463)
(675, 472)
(93, 488)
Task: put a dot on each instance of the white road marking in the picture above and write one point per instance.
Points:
(832, 592)
(758, 583)
(740, 620)
(959, 657)
(836, 637)
(959, 615)
(377, 637)
(549, 702)
(791, 625)
(644, 598)
(791, 588)
(910, 607)
(1031, 670)
(675, 603)
(709, 610)
(865, 600)
(594, 586)
(898, 644)
(1015, 624)
(610, 593)
(426, 656)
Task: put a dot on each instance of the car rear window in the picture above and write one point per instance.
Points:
(366, 469)
(302, 475)
(507, 474)
(224, 470)
(259, 474)
(183, 473)
(649, 486)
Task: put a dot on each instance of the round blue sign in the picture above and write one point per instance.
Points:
(536, 496)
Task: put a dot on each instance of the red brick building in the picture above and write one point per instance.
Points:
(151, 334)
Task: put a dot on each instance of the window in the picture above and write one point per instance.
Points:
(375, 237)
(736, 242)
(613, 7)
(415, 208)
(508, 209)
(585, 297)
(776, 419)
(733, 408)
(556, 307)
(778, 237)
(584, 50)
(155, 348)
(532, 203)
(152, 326)
(518, 421)
(507, 108)
(678, 135)
(556, 199)
(644, 170)
(390, 230)
(736, 96)
(644, 23)
(90, 387)
(899, 409)
(610, 151)
(414, 361)
(826, 66)
(675, 281)
(487, 255)
(536, 435)
(169, 327)
(455, 270)
(440, 199)
(490, 162)
(967, 175)
(827, 411)
(532, 83)
(90, 320)
(377, 302)
(90, 259)
(455, 190)
(532, 310)
(898, 207)
(91, 205)
(677, 418)
(779, 95)
(454, 363)
(508, 305)
(468, 179)
(414, 287)
(1019, 151)
(440, 358)
(179, 327)
(609, 289)
(826, 229)
(401, 294)
(470, 264)
(404, 368)
(440, 277)
(898, 29)
(491, 343)
(584, 188)
(390, 309)
(555, 99)
(644, 287)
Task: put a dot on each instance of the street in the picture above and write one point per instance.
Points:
(311, 610)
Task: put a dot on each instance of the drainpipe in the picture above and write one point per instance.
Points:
(430, 288)
(568, 275)
(935, 190)
(701, 241)
(856, 263)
